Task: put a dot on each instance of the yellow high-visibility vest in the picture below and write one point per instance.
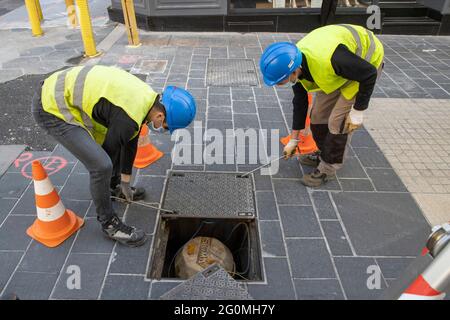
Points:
(318, 47)
(71, 95)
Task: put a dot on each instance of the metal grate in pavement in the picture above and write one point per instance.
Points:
(209, 195)
(231, 73)
(214, 283)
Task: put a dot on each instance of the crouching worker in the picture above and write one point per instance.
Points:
(96, 113)
(341, 63)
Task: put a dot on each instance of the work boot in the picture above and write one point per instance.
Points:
(138, 193)
(311, 160)
(316, 179)
(115, 229)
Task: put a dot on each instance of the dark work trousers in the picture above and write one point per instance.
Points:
(327, 12)
(80, 143)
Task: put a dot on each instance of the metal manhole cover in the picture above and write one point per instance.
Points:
(231, 73)
(214, 283)
(209, 195)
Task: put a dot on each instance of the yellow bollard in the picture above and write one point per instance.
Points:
(33, 15)
(86, 29)
(39, 10)
(129, 17)
(71, 13)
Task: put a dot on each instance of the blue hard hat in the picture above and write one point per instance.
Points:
(278, 61)
(180, 107)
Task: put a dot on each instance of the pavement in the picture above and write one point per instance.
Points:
(316, 243)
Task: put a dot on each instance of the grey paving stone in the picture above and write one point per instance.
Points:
(219, 90)
(131, 260)
(61, 55)
(309, 258)
(362, 139)
(273, 127)
(288, 169)
(244, 107)
(222, 125)
(266, 205)
(263, 92)
(80, 168)
(21, 62)
(159, 288)
(215, 100)
(338, 242)
(60, 177)
(153, 187)
(299, 221)
(13, 232)
(62, 152)
(118, 287)
(270, 114)
(386, 180)
(393, 268)
(158, 168)
(32, 286)
(195, 83)
(354, 277)
(246, 121)
(92, 272)
(12, 185)
(372, 157)
(279, 284)
(273, 105)
(351, 169)
(177, 77)
(8, 263)
(272, 239)
(291, 192)
(162, 142)
(323, 205)
(220, 113)
(5, 207)
(262, 182)
(327, 289)
(242, 94)
(438, 93)
(10, 74)
(77, 188)
(197, 74)
(40, 258)
(382, 224)
(118, 207)
(141, 217)
(91, 239)
(356, 185)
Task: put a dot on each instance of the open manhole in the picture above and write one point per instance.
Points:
(207, 205)
(231, 73)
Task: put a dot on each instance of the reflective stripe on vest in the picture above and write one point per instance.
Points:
(356, 36)
(77, 97)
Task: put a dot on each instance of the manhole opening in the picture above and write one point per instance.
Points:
(240, 236)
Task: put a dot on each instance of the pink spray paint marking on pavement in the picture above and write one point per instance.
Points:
(52, 164)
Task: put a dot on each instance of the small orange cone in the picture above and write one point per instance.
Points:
(147, 152)
(54, 223)
(307, 143)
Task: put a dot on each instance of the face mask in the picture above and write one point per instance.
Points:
(159, 130)
(287, 85)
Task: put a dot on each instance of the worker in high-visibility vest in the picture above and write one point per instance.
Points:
(341, 63)
(96, 113)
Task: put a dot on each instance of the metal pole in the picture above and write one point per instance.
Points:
(71, 13)
(129, 17)
(86, 29)
(33, 15)
(39, 10)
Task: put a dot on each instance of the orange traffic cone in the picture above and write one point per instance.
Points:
(54, 223)
(147, 152)
(306, 144)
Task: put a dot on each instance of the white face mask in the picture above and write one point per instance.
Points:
(156, 130)
(287, 85)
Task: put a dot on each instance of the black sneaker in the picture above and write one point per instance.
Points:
(138, 193)
(311, 160)
(316, 179)
(115, 229)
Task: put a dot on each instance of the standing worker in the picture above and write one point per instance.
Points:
(97, 113)
(339, 62)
